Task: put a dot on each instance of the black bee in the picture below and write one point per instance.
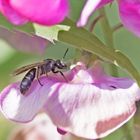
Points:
(38, 69)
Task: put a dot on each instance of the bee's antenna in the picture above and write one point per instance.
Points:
(65, 53)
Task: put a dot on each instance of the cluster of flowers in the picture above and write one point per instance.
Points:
(48, 12)
(90, 107)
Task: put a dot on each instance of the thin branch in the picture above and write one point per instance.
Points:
(92, 26)
(117, 27)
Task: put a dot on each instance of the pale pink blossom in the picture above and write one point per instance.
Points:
(41, 128)
(46, 12)
(90, 7)
(90, 105)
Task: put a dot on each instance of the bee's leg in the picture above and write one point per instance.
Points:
(53, 70)
(38, 74)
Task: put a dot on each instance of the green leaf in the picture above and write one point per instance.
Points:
(50, 33)
(82, 39)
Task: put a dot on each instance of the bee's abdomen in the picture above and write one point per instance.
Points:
(27, 80)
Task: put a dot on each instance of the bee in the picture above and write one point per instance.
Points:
(38, 69)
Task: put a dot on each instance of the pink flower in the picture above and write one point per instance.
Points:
(45, 12)
(130, 15)
(89, 8)
(91, 105)
(128, 9)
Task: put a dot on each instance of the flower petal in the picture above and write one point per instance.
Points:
(21, 108)
(42, 126)
(46, 12)
(130, 15)
(89, 110)
(13, 16)
(89, 8)
(93, 110)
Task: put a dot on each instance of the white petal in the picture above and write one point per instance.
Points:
(91, 112)
(23, 108)
(89, 7)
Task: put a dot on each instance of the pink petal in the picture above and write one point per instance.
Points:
(60, 131)
(28, 43)
(89, 8)
(13, 16)
(42, 127)
(46, 12)
(21, 108)
(130, 15)
(91, 112)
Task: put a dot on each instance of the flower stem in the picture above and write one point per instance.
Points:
(108, 36)
(127, 132)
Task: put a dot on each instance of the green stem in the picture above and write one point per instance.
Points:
(128, 132)
(108, 36)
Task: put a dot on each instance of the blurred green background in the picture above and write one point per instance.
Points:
(10, 59)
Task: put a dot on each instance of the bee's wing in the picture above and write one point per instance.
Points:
(27, 67)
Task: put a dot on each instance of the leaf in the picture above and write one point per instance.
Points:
(50, 33)
(82, 39)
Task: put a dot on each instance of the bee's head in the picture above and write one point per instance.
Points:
(60, 64)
